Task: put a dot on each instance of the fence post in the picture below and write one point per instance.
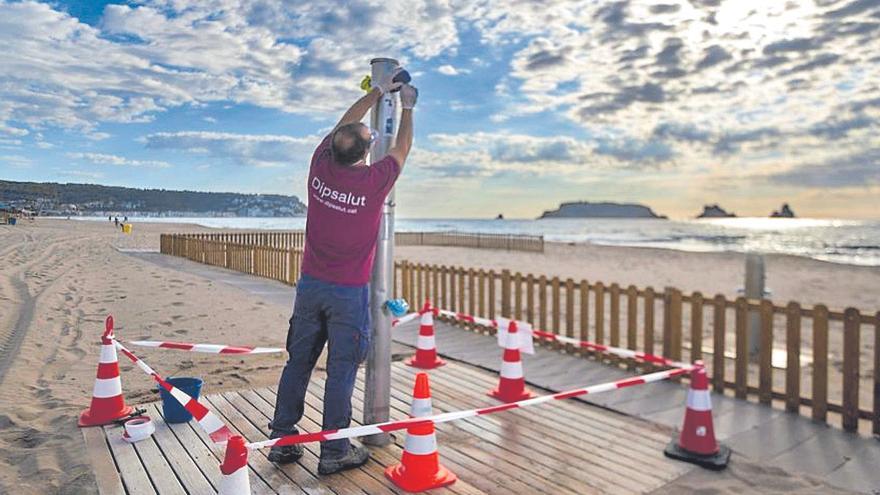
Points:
(649, 321)
(851, 333)
(632, 307)
(719, 316)
(600, 312)
(615, 315)
(741, 371)
(793, 357)
(876, 425)
(696, 327)
(820, 363)
(765, 354)
(505, 294)
(554, 285)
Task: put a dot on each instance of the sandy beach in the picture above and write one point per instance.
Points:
(59, 279)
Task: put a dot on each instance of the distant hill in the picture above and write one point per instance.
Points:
(586, 209)
(715, 211)
(51, 198)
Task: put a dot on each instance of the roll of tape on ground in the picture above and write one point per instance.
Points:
(138, 428)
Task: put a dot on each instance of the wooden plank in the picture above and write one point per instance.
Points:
(649, 321)
(568, 441)
(505, 294)
(274, 475)
(719, 316)
(765, 356)
(555, 297)
(134, 475)
(367, 477)
(261, 405)
(615, 315)
(156, 465)
(599, 309)
(481, 296)
(542, 302)
(820, 363)
(106, 476)
(675, 321)
(532, 452)
(696, 353)
(793, 357)
(491, 279)
(585, 310)
(530, 299)
(191, 475)
(518, 296)
(741, 372)
(851, 340)
(632, 319)
(876, 421)
(390, 454)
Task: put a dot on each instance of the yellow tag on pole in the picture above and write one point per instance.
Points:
(367, 84)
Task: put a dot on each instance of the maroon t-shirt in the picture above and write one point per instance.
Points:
(345, 207)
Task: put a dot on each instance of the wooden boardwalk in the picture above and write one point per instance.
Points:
(566, 447)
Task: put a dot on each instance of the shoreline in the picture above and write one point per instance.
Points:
(639, 245)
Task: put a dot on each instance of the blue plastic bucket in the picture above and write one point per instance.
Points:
(173, 410)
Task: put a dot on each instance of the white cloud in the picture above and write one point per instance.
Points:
(16, 161)
(81, 174)
(447, 70)
(120, 161)
(247, 149)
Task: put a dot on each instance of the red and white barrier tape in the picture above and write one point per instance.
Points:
(213, 426)
(389, 426)
(405, 319)
(209, 348)
(617, 351)
(607, 349)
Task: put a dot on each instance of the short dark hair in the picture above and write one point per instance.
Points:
(348, 145)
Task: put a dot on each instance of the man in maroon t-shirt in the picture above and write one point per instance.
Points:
(345, 197)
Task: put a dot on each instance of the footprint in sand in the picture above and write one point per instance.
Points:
(166, 323)
(178, 303)
(176, 317)
(181, 332)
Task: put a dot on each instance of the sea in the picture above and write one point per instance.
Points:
(855, 242)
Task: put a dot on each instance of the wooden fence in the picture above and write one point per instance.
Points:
(823, 361)
(510, 242)
(296, 239)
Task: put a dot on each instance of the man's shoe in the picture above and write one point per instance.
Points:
(284, 454)
(357, 455)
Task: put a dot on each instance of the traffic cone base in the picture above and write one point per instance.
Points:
(429, 364)
(89, 418)
(716, 462)
(510, 397)
(415, 483)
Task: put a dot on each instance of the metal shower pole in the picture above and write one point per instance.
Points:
(377, 395)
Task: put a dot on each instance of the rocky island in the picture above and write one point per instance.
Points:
(715, 211)
(784, 212)
(586, 209)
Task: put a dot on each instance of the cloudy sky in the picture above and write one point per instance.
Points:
(524, 103)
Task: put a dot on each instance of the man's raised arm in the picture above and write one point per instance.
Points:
(365, 103)
(408, 97)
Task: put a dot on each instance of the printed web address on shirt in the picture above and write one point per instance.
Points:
(334, 206)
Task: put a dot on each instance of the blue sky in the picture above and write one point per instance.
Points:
(523, 104)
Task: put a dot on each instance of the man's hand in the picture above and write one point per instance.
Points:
(408, 96)
(387, 84)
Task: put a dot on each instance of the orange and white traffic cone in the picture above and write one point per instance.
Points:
(107, 405)
(235, 480)
(696, 443)
(512, 382)
(426, 347)
(420, 467)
